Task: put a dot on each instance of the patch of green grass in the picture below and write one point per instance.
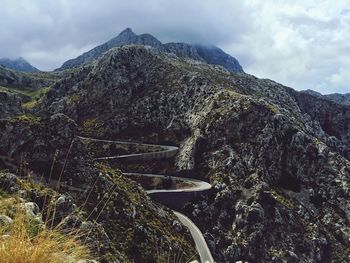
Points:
(36, 94)
(37, 97)
(32, 93)
(37, 188)
(283, 200)
(272, 108)
(27, 118)
(93, 126)
(32, 96)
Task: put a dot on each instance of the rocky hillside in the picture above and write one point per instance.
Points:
(336, 97)
(112, 214)
(19, 64)
(10, 104)
(278, 159)
(208, 54)
(23, 87)
(339, 98)
(16, 79)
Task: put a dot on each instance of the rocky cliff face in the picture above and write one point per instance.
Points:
(19, 64)
(10, 105)
(278, 159)
(211, 55)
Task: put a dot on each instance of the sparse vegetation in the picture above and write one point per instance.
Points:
(37, 97)
(28, 118)
(92, 126)
(27, 240)
(31, 97)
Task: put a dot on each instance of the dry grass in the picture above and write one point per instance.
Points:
(30, 240)
(23, 241)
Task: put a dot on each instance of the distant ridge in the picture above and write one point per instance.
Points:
(336, 97)
(208, 54)
(19, 64)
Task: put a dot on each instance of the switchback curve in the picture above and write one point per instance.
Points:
(196, 186)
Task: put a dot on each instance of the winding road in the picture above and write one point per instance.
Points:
(191, 187)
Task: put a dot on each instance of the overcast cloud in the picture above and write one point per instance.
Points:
(302, 44)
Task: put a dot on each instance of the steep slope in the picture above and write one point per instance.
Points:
(112, 214)
(19, 64)
(278, 159)
(10, 104)
(12, 78)
(214, 55)
(24, 88)
(211, 55)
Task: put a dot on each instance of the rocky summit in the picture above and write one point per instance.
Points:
(277, 160)
(203, 53)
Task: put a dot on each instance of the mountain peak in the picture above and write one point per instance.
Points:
(21, 59)
(19, 64)
(210, 55)
(127, 32)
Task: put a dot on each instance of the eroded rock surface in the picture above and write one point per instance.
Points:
(10, 105)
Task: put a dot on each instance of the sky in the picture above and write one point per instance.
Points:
(301, 44)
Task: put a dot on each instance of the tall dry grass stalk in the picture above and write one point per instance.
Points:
(24, 242)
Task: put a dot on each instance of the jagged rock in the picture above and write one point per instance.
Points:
(31, 208)
(5, 220)
(10, 105)
(63, 207)
(36, 141)
(8, 182)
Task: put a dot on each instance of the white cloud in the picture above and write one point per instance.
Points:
(302, 44)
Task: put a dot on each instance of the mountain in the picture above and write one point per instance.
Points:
(278, 160)
(19, 64)
(336, 97)
(208, 54)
